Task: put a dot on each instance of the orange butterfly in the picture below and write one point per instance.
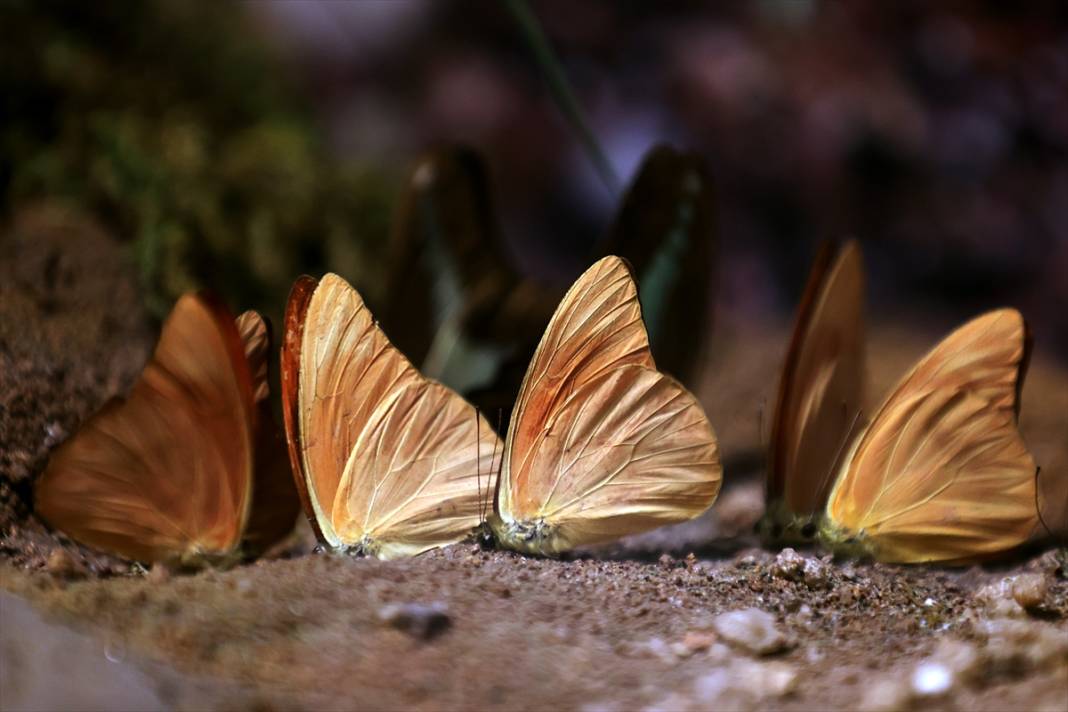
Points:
(387, 462)
(820, 396)
(187, 469)
(940, 474)
(600, 444)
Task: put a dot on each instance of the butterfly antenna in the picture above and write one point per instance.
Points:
(1038, 507)
(489, 479)
(500, 465)
(478, 461)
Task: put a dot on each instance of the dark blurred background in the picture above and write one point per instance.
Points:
(239, 144)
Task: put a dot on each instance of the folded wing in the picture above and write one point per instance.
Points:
(942, 473)
(166, 473)
(274, 499)
(394, 464)
(601, 444)
(821, 387)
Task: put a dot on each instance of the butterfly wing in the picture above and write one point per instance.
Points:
(942, 473)
(274, 500)
(820, 393)
(164, 474)
(601, 444)
(289, 376)
(420, 473)
(381, 448)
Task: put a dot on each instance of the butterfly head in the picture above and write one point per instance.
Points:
(844, 542)
(781, 527)
(535, 536)
(484, 536)
(366, 546)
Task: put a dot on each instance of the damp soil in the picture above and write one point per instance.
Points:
(631, 626)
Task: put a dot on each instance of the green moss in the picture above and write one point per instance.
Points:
(172, 123)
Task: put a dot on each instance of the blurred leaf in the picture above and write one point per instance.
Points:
(561, 92)
(666, 230)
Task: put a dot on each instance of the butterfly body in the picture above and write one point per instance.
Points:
(529, 537)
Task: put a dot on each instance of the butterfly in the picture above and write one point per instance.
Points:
(600, 443)
(819, 396)
(187, 469)
(940, 474)
(387, 463)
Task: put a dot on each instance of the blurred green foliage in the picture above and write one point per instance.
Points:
(172, 123)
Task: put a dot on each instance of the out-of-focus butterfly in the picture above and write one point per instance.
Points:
(458, 306)
(601, 444)
(819, 398)
(940, 474)
(387, 462)
(189, 468)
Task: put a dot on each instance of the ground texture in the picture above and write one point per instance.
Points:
(691, 617)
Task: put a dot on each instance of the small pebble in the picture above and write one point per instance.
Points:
(788, 564)
(885, 695)
(931, 679)
(696, 641)
(744, 683)
(1029, 590)
(418, 620)
(752, 629)
(773, 679)
(54, 434)
(794, 567)
(998, 601)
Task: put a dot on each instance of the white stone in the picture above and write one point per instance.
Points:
(997, 600)
(931, 679)
(885, 695)
(752, 629)
(794, 567)
(743, 683)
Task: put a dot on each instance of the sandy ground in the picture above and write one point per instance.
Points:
(639, 625)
